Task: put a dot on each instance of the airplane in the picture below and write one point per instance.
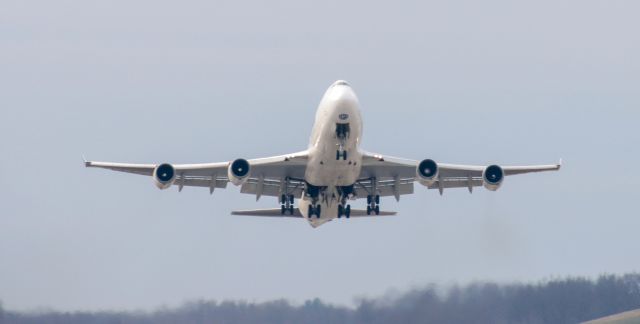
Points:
(328, 175)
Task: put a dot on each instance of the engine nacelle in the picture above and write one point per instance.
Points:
(427, 172)
(239, 171)
(164, 175)
(492, 177)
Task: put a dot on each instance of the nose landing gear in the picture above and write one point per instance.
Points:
(342, 134)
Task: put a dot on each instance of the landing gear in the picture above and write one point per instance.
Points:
(314, 211)
(342, 131)
(286, 204)
(342, 134)
(373, 204)
(344, 211)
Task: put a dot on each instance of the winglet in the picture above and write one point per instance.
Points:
(86, 163)
(560, 164)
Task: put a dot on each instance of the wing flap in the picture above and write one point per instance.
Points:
(456, 183)
(272, 188)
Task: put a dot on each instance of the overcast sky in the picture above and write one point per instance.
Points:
(146, 81)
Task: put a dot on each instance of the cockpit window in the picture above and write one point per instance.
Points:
(341, 82)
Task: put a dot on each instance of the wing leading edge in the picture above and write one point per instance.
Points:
(269, 173)
(392, 176)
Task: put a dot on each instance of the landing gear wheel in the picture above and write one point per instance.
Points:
(377, 199)
(368, 210)
(283, 199)
(377, 209)
(291, 210)
(283, 209)
(344, 155)
(340, 211)
(318, 209)
(347, 211)
(369, 199)
(337, 155)
(310, 211)
(291, 199)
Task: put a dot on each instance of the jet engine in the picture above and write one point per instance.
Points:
(492, 177)
(164, 175)
(427, 172)
(239, 171)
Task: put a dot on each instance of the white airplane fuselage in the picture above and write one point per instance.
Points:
(334, 157)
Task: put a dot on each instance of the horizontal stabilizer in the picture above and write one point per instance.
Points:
(271, 212)
(277, 212)
(363, 213)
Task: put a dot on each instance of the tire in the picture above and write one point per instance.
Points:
(368, 199)
(377, 210)
(318, 209)
(377, 199)
(291, 199)
(283, 199)
(310, 212)
(291, 210)
(340, 211)
(337, 155)
(347, 211)
(282, 209)
(368, 210)
(344, 155)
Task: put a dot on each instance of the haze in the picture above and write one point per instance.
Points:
(201, 81)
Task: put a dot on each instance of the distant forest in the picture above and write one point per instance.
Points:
(570, 300)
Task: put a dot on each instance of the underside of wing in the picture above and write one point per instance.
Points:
(263, 176)
(392, 176)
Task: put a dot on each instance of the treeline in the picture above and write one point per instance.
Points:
(570, 300)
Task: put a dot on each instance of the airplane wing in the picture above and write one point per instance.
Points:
(268, 175)
(392, 176)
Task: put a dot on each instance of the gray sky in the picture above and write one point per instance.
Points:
(198, 81)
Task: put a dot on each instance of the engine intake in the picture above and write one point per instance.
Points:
(427, 172)
(492, 177)
(164, 175)
(239, 171)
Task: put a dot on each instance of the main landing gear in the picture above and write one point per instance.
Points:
(344, 211)
(313, 192)
(341, 154)
(286, 204)
(373, 204)
(314, 211)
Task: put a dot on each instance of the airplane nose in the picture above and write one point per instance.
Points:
(340, 83)
(341, 91)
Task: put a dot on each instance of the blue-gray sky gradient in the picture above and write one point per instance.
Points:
(199, 81)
